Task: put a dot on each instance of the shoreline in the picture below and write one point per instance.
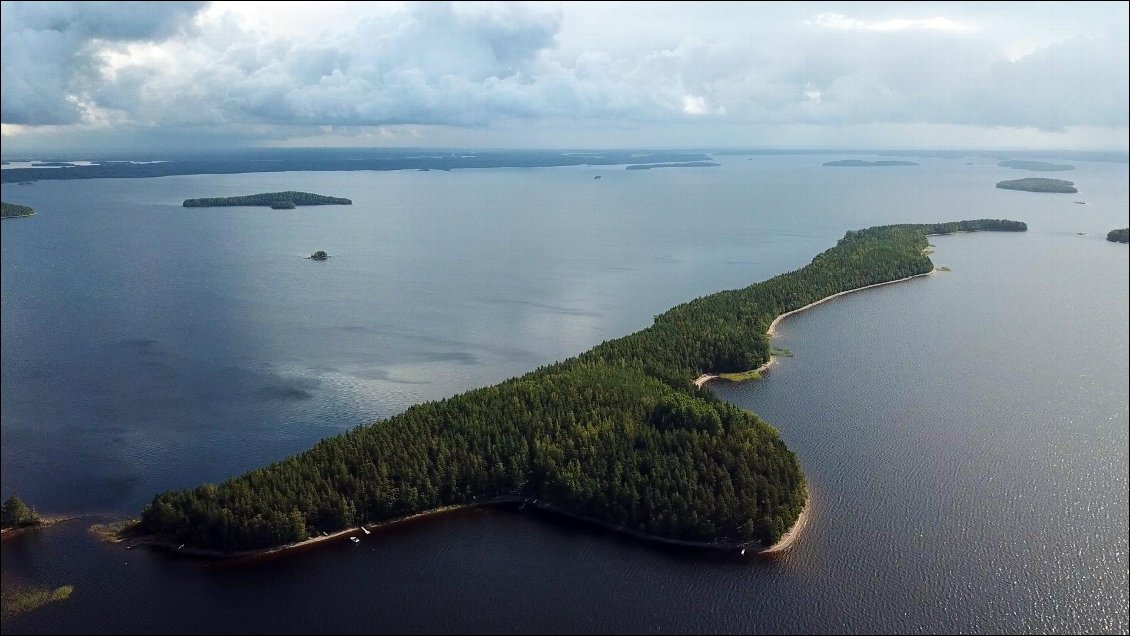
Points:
(783, 543)
(789, 538)
(165, 546)
(45, 522)
(701, 380)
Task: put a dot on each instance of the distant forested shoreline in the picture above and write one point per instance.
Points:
(342, 160)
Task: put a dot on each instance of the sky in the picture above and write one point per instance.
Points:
(162, 76)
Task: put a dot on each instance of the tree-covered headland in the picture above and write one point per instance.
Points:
(11, 210)
(277, 200)
(618, 434)
(1118, 236)
(16, 514)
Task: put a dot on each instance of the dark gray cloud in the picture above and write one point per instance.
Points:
(50, 51)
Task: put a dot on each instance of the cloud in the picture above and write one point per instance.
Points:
(387, 75)
(842, 22)
(50, 51)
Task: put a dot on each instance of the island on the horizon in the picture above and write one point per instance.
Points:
(318, 256)
(1118, 236)
(618, 436)
(860, 163)
(684, 164)
(276, 200)
(1035, 166)
(1039, 184)
(13, 211)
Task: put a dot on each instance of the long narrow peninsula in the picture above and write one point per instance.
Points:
(276, 200)
(618, 435)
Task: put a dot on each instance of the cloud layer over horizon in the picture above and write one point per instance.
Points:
(460, 74)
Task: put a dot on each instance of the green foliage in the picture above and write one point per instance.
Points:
(18, 599)
(744, 376)
(1033, 184)
(11, 210)
(618, 433)
(277, 200)
(1118, 236)
(16, 513)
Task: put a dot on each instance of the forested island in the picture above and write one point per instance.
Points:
(859, 163)
(276, 200)
(1037, 184)
(1035, 166)
(618, 435)
(1118, 236)
(12, 211)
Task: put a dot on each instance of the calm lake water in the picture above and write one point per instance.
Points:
(965, 435)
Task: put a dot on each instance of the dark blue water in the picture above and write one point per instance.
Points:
(965, 435)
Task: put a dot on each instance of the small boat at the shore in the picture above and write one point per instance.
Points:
(365, 530)
(354, 539)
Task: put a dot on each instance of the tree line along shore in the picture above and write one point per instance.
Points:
(277, 200)
(618, 435)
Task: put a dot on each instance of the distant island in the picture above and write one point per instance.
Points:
(12, 211)
(1036, 184)
(1118, 236)
(685, 164)
(619, 436)
(53, 164)
(859, 163)
(1037, 166)
(276, 200)
(318, 256)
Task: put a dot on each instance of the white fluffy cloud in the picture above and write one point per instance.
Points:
(167, 68)
(50, 51)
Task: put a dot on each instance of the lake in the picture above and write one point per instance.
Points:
(964, 435)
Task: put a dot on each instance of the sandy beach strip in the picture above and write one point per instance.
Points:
(789, 538)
